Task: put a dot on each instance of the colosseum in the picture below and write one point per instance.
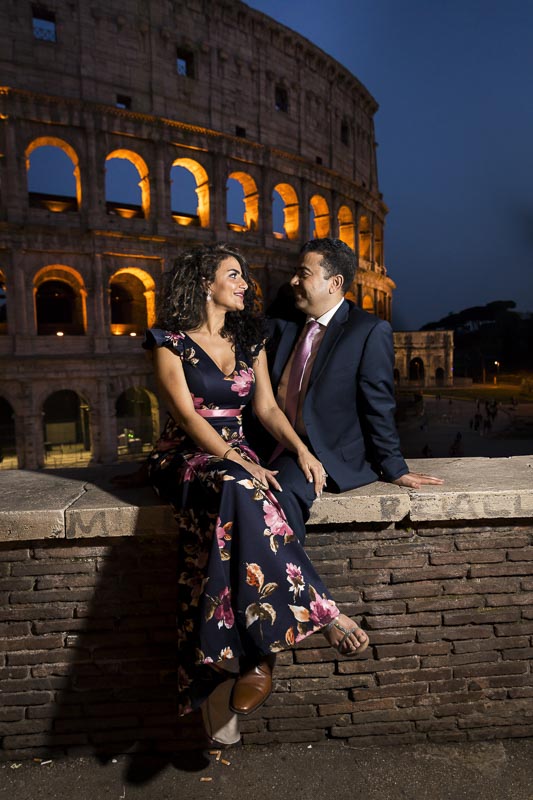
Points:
(131, 130)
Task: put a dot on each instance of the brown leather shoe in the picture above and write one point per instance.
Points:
(252, 688)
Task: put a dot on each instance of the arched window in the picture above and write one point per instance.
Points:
(127, 185)
(67, 438)
(242, 202)
(137, 422)
(189, 178)
(132, 300)
(53, 175)
(368, 303)
(285, 212)
(319, 223)
(416, 370)
(8, 451)
(364, 237)
(3, 304)
(346, 226)
(59, 302)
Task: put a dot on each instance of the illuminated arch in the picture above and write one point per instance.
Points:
(378, 243)
(44, 322)
(251, 201)
(132, 299)
(346, 226)
(291, 211)
(137, 416)
(202, 192)
(368, 303)
(52, 141)
(365, 237)
(66, 428)
(8, 447)
(320, 222)
(129, 210)
(416, 370)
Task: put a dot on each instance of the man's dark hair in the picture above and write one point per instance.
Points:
(337, 258)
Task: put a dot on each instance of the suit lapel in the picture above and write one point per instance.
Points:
(327, 345)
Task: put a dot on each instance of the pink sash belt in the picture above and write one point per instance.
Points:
(219, 412)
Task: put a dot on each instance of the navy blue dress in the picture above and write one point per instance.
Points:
(245, 583)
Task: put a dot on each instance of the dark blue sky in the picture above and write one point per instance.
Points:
(454, 81)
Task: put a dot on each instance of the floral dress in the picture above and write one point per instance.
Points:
(245, 583)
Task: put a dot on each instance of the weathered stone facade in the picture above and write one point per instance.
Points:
(212, 89)
(423, 358)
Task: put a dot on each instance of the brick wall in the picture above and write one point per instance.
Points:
(87, 657)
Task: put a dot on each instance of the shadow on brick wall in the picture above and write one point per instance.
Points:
(114, 675)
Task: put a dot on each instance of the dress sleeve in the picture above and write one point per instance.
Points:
(156, 337)
(255, 349)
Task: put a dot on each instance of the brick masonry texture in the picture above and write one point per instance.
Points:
(87, 649)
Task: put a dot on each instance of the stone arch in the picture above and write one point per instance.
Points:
(3, 303)
(291, 211)
(202, 215)
(250, 200)
(8, 442)
(126, 209)
(346, 226)
(365, 237)
(416, 370)
(378, 243)
(132, 301)
(368, 303)
(319, 219)
(60, 308)
(66, 428)
(52, 202)
(137, 417)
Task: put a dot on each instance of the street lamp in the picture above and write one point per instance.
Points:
(497, 365)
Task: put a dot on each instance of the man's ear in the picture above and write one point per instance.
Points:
(337, 282)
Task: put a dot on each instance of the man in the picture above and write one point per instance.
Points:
(343, 401)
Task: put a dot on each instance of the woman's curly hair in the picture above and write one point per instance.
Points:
(182, 304)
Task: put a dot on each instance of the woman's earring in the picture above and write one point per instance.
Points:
(209, 295)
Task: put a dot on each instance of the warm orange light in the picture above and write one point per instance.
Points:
(59, 333)
(126, 213)
(58, 206)
(182, 219)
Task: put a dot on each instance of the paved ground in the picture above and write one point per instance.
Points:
(486, 771)
(441, 420)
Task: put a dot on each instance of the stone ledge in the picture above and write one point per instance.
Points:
(77, 504)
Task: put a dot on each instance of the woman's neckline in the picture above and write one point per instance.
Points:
(210, 357)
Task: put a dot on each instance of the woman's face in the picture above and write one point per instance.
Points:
(228, 286)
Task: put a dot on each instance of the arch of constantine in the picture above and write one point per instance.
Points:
(208, 91)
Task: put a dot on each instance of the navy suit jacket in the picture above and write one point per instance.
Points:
(349, 407)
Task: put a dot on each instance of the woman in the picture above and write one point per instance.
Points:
(246, 587)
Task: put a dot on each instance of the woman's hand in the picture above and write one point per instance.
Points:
(312, 469)
(265, 477)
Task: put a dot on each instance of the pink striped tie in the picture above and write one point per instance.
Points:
(296, 375)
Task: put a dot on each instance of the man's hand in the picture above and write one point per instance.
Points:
(414, 480)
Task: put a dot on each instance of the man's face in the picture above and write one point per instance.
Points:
(314, 292)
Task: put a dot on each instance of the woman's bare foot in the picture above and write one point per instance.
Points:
(346, 636)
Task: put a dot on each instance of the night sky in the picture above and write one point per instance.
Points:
(454, 82)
